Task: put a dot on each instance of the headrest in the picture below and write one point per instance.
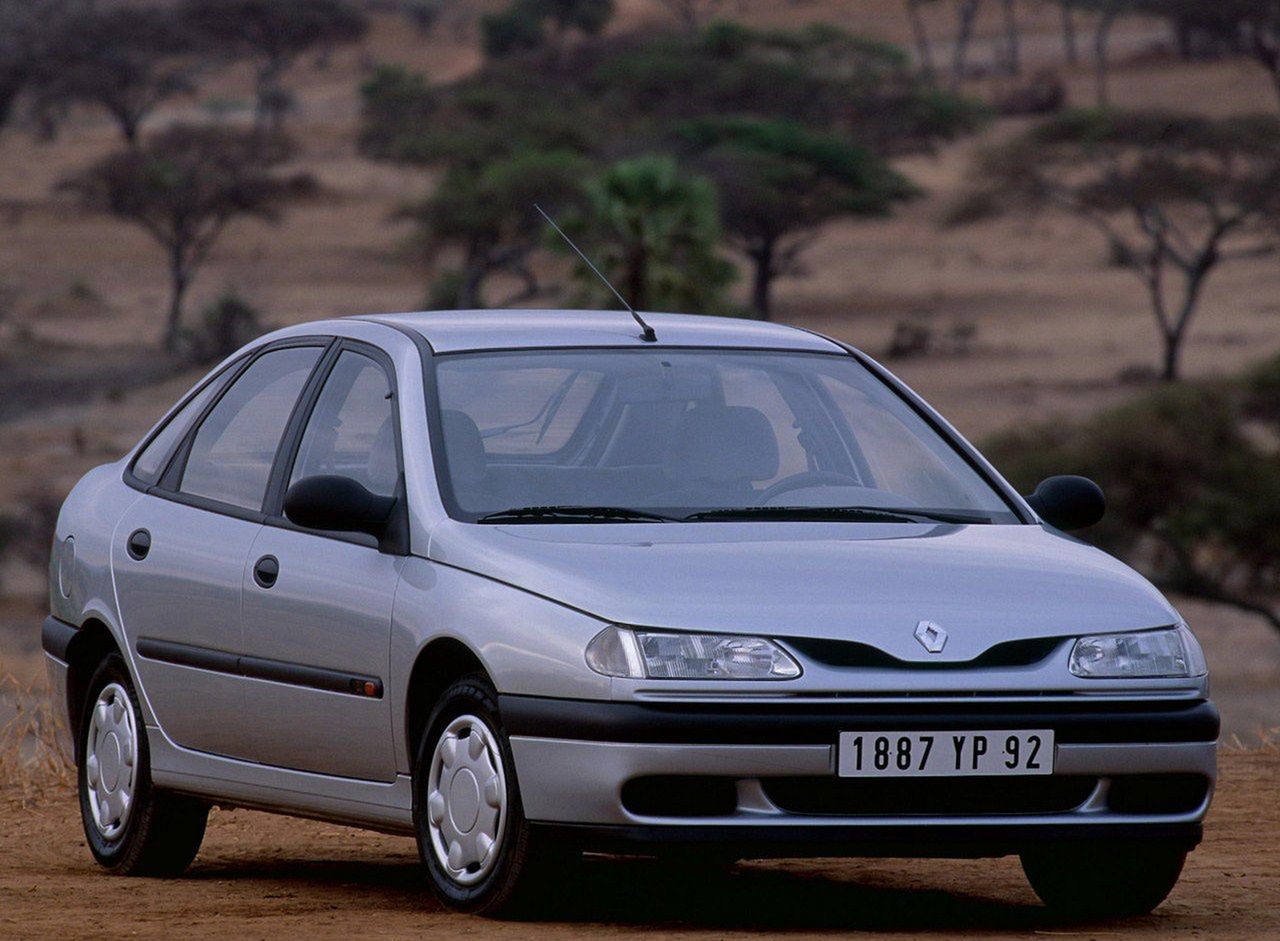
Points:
(464, 449)
(723, 443)
(383, 469)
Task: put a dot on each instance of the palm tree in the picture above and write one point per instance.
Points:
(654, 231)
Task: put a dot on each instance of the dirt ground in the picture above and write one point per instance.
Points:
(260, 876)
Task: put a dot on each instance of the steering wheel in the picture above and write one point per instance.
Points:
(807, 479)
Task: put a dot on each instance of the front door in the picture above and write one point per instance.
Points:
(317, 606)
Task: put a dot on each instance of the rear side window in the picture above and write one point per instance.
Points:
(152, 459)
(234, 448)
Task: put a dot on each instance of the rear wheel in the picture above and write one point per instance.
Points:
(1103, 880)
(131, 828)
(472, 833)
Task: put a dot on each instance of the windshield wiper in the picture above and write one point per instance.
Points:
(861, 514)
(573, 514)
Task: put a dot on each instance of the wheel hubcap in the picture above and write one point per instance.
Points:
(466, 800)
(111, 760)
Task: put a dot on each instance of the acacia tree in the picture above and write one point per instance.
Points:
(523, 25)
(1194, 495)
(1168, 192)
(272, 34)
(966, 16)
(29, 30)
(182, 187)
(652, 230)
(779, 183)
(489, 214)
(692, 14)
(502, 146)
(125, 60)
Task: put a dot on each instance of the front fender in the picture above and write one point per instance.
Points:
(527, 644)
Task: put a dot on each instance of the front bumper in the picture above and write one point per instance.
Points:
(600, 772)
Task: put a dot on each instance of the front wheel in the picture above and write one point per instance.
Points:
(472, 833)
(1103, 880)
(131, 828)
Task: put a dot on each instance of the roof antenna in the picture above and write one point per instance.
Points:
(646, 331)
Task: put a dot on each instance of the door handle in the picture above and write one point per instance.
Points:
(138, 544)
(266, 570)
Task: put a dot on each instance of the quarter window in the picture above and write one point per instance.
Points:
(151, 460)
(235, 446)
(351, 432)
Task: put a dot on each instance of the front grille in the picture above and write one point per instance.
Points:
(934, 797)
(852, 653)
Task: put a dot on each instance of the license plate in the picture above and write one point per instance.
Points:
(944, 754)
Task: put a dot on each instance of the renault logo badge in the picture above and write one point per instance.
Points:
(931, 636)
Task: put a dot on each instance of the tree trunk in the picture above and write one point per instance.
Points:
(762, 280)
(1012, 56)
(473, 272)
(638, 277)
(1172, 354)
(923, 49)
(966, 14)
(1100, 41)
(268, 109)
(179, 279)
(12, 82)
(1069, 32)
(128, 128)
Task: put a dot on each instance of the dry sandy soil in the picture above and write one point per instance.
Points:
(270, 877)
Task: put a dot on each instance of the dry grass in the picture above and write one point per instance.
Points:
(33, 765)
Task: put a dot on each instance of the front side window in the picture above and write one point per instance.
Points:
(351, 431)
(700, 434)
(233, 450)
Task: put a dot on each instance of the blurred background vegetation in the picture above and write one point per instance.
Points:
(1058, 218)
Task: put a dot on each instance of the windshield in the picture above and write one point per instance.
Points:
(652, 434)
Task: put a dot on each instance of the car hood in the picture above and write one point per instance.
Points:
(869, 582)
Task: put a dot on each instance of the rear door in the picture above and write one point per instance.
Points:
(317, 606)
(181, 549)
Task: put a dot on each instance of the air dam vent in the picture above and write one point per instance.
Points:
(933, 797)
(671, 795)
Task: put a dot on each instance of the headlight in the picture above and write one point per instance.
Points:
(619, 651)
(1168, 653)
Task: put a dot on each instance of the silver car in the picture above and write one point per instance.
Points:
(525, 584)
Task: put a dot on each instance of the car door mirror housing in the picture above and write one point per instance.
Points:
(339, 504)
(1068, 502)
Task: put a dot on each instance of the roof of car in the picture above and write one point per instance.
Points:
(456, 331)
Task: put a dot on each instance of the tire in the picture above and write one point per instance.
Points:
(132, 829)
(1100, 881)
(456, 787)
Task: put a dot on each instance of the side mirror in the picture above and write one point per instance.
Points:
(1068, 502)
(338, 504)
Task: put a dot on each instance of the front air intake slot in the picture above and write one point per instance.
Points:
(929, 797)
(673, 795)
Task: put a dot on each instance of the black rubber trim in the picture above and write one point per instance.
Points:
(260, 668)
(56, 636)
(800, 724)
(923, 840)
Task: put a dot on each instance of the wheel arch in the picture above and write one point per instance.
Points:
(93, 643)
(438, 663)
